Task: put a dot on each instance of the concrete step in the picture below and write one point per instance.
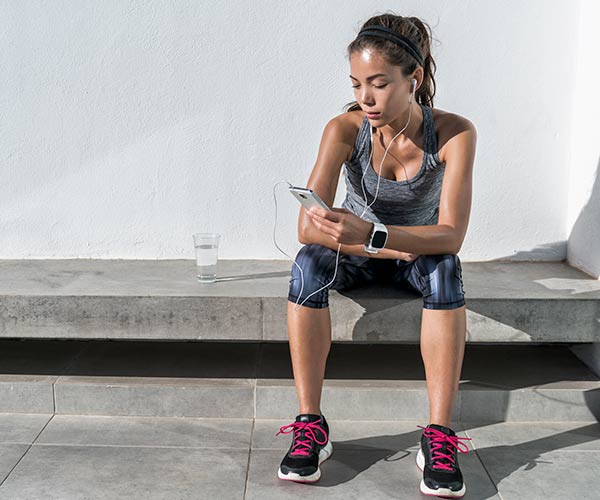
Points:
(499, 383)
(162, 300)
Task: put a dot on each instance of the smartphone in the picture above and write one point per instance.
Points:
(308, 198)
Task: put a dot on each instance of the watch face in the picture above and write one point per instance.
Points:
(379, 239)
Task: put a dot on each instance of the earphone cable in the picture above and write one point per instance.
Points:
(364, 195)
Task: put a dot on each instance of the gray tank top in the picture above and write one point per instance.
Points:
(412, 202)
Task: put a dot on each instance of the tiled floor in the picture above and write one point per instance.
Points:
(97, 457)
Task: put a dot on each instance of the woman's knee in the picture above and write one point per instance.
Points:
(314, 260)
(442, 281)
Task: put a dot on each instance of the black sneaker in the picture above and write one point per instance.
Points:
(438, 460)
(310, 446)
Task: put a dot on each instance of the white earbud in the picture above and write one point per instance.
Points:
(414, 84)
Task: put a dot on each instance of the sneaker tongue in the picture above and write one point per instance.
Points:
(445, 430)
(307, 417)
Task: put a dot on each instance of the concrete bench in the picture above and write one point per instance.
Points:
(133, 299)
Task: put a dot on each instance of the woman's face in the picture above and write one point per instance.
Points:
(378, 86)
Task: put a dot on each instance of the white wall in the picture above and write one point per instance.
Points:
(583, 223)
(128, 126)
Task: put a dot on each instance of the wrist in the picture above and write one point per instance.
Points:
(369, 233)
(377, 238)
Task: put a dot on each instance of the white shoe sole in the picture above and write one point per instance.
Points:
(440, 492)
(324, 454)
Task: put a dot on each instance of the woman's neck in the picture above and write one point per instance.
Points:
(412, 131)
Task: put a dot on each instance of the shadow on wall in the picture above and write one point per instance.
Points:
(585, 234)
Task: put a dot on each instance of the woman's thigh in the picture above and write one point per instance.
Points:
(437, 277)
(318, 265)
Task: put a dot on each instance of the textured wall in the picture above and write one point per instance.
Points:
(126, 126)
(583, 224)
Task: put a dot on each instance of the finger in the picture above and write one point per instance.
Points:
(332, 216)
(326, 215)
(315, 211)
(324, 226)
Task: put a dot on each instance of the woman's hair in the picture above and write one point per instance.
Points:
(412, 28)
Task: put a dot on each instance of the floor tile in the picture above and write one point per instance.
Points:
(148, 431)
(119, 472)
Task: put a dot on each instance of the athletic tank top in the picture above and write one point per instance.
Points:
(412, 202)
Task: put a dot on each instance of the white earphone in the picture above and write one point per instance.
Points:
(412, 92)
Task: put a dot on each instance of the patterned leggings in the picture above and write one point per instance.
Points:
(438, 278)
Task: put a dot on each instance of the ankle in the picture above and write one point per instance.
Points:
(312, 411)
(443, 423)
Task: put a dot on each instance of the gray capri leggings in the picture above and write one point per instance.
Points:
(438, 278)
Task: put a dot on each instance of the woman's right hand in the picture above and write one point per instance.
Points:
(396, 254)
(390, 253)
(409, 256)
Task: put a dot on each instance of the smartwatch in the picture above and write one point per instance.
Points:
(377, 238)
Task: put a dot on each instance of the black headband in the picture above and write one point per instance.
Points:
(393, 36)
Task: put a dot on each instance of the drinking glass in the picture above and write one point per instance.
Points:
(207, 249)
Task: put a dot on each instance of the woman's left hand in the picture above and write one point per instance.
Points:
(342, 225)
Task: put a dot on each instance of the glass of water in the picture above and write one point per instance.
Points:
(207, 249)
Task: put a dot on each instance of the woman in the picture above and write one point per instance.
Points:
(421, 194)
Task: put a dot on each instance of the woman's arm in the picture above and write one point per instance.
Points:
(317, 236)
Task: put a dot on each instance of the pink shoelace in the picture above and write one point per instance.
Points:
(303, 446)
(438, 438)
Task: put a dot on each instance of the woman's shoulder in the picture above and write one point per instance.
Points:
(349, 124)
(354, 118)
(447, 125)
